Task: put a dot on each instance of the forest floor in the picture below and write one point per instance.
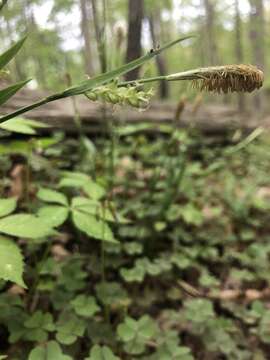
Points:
(183, 269)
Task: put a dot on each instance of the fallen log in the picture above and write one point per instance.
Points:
(210, 119)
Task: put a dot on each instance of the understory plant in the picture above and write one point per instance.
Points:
(106, 274)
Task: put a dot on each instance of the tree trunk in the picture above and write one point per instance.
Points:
(86, 37)
(154, 23)
(209, 24)
(135, 18)
(3, 3)
(239, 50)
(99, 32)
(256, 34)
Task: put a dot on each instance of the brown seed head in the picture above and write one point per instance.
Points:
(229, 78)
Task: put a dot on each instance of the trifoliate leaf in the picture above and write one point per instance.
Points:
(112, 294)
(85, 306)
(144, 328)
(69, 327)
(101, 353)
(136, 333)
(40, 320)
(51, 350)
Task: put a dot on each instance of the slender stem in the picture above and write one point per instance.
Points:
(186, 75)
(33, 291)
(143, 81)
(103, 264)
(28, 176)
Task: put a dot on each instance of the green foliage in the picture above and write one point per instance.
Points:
(22, 126)
(24, 225)
(6, 94)
(80, 180)
(112, 294)
(54, 216)
(7, 206)
(101, 353)
(11, 262)
(135, 334)
(94, 228)
(174, 241)
(188, 219)
(51, 350)
(19, 125)
(88, 215)
(85, 306)
(37, 326)
(9, 54)
(52, 196)
(263, 329)
(69, 328)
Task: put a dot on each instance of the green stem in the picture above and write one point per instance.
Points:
(28, 177)
(33, 291)
(143, 81)
(97, 81)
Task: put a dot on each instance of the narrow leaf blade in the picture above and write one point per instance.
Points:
(9, 91)
(11, 52)
(111, 75)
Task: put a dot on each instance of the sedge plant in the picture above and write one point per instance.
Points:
(107, 87)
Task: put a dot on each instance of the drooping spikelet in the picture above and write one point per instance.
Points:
(230, 78)
(130, 95)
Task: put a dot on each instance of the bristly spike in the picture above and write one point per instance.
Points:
(229, 78)
(223, 79)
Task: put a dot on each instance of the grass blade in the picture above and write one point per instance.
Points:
(109, 76)
(11, 52)
(9, 91)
